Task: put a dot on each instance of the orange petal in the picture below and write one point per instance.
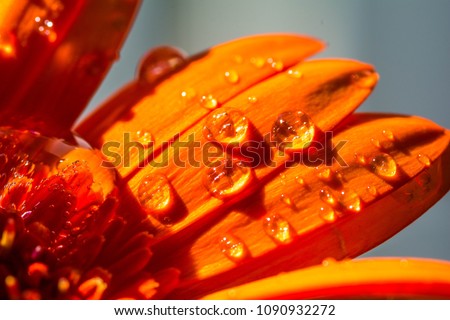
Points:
(177, 103)
(329, 80)
(307, 214)
(53, 56)
(386, 278)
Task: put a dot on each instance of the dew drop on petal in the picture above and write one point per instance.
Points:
(326, 196)
(286, 199)
(252, 99)
(360, 158)
(278, 229)
(328, 261)
(389, 135)
(228, 178)
(325, 174)
(372, 190)
(159, 62)
(277, 65)
(258, 62)
(384, 165)
(349, 200)
(293, 130)
(226, 126)
(375, 142)
(155, 194)
(296, 74)
(209, 102)
(300, 180)
(233, 248)
(188, 94)
(232, 76)
(145, 138)
(327, 214)
(424, 159)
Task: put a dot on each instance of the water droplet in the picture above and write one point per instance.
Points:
(327, 197)
(360, 158)
(389, 135)
(226, 125)
(328, 214)
(349, 200)
(384, 165)
(252, 99)
(293, 130)
(228, 178)
(145, 138)
(423, 159)
(286, 199)
(296, 74)
(63, 285)
(300, 180)
(278, 229)
(209, 102)
(375, 142)
(188, 94)
(372, 190)
(155, 194)
(258, 61)
(277, 65)
(233, 248)
(365, 79)
(328, 261)
(7, 45)
(325, 174)
(160, 62)
(232, 76)
(45, 27)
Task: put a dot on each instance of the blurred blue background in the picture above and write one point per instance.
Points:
(407, 41)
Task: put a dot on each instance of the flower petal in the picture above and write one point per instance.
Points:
(367, 278)
(328, 91)
(397, 169)
(53, 56)
(174, 105)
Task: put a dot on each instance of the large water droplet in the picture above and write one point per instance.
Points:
(233, 248)
(232, 76)
(209, 102)
(278, 229)
(349, 200)
(293, 130)
(424, 159)
(228, 178)
(226, 126)
(155, 194)
(327, 214)
(160, 62)
(384, 165)
(327, 196)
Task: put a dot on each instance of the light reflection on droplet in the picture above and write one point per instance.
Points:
(226, 125)
(293, 130)
(233, 248)
(278, 228)
(384, 165)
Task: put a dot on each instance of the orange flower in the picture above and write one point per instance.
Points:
(233, 166)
